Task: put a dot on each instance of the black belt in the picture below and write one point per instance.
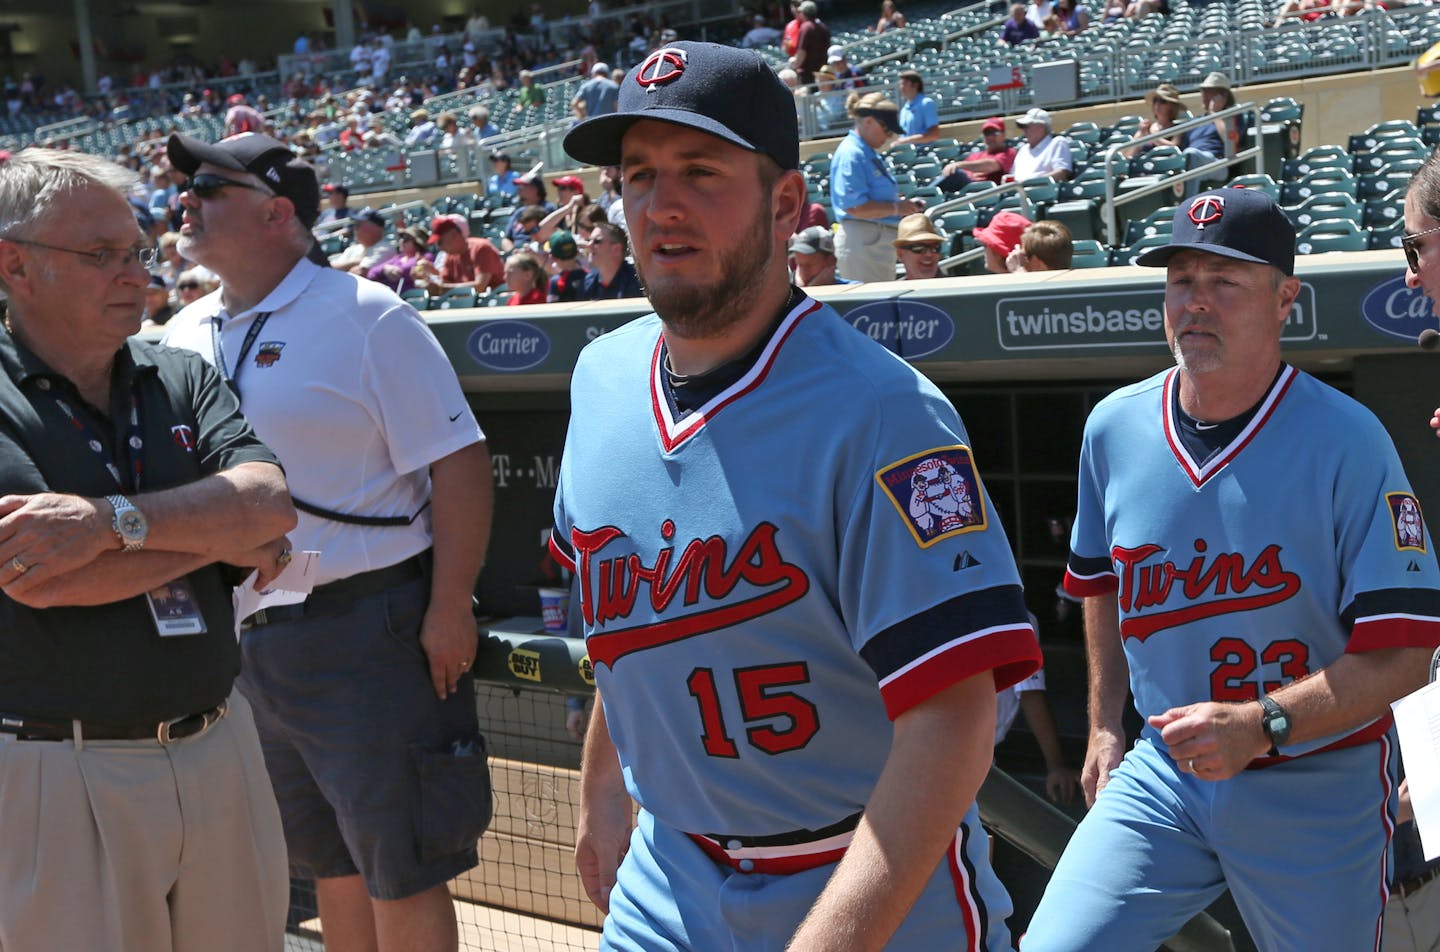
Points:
(792, 838)
(1411, 886)
(341, 592)
(166, 732)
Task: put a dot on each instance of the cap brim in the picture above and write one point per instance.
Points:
(187, 155)
(597, 140)
(1160, 257)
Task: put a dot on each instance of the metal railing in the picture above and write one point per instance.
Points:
(1113, 202)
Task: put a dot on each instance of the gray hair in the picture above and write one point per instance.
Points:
(33, 179)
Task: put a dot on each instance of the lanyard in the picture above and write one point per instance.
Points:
(134, 438)
(219, 352)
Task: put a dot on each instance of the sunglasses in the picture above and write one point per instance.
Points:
(921, 249)
(206, 186)
(187, 286)
(1407, 244)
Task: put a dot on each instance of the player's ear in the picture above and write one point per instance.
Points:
(1289, 291)
(787, 203)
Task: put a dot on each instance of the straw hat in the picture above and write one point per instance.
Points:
(1165, 93)
(917, 229)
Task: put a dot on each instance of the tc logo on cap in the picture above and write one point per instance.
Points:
(660, 67)
(1206, 210)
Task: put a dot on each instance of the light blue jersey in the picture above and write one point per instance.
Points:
(766, 583)
(1294, 544)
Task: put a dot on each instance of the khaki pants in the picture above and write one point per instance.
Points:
(863, 250)
(1412, 924)
(128, 846)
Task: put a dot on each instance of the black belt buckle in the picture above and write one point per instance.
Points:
(191, 725)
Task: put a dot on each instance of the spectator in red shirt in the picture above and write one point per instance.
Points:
(812, 45)
(525, 277)
(469, 262)
(790, 39)
(988, 164)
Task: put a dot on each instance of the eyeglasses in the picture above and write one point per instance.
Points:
(119, 258)
(921, 249)
(1407, 244)
(206, 186)
(187, 286)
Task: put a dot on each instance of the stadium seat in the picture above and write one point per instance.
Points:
(1128, 255)
(1387, 237)
(1261, 181)
(1320, 157)
(457, 297)
(1315, 183)
(1331, 234)
(1089, 253)
(1383, 211)
(1282, 109)
(1160, 160)
(1325, 206)
(1158, 222)
(418, 298)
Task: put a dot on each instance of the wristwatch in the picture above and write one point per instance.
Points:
(130, 523)
(1274, 722)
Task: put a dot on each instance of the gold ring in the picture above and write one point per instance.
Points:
(20, 567)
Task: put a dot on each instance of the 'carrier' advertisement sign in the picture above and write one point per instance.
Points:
(1110, 319)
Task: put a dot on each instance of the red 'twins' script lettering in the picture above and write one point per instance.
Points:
(1145, 586)
(610, 587)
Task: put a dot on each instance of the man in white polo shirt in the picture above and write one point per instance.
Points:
(1044, 153)
(361, 692)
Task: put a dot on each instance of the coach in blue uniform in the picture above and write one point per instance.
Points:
(796, 593)
(1250, 550)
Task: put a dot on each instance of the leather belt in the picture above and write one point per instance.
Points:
(1411, 886)
(165, 732)
(341, 592)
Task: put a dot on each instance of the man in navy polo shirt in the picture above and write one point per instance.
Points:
(610, 275)
(135, 812)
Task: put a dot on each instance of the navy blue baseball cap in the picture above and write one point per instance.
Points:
(1240, 223)
(727, 92)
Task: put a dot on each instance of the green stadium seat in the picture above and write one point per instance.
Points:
(1331, 234)
(1089, 253)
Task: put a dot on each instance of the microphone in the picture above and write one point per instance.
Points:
(1429, 339)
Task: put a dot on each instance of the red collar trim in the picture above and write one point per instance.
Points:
(673, 433)
(1198, 474)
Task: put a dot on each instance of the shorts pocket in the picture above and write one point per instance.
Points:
(453, 802)
(404, 607)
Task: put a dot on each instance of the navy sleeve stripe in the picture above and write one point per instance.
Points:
(1083, 568)
(1415, 602)
(915, 637)
(562, 550)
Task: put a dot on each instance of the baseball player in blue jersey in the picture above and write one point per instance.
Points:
(1250, 550)
(795, 591)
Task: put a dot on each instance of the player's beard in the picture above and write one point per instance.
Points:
(695, 311)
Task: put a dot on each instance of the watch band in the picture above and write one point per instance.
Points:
(1275, 722)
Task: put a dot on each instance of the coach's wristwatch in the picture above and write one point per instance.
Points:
(1275, 723)
(129, 524)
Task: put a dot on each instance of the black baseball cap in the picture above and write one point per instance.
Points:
(268, 159)
(1240, 223)
(371, 215)
(728, 92)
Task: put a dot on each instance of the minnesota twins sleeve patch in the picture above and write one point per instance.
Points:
(1409, 524)
(936, 492)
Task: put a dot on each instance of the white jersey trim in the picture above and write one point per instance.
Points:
(1200, 474)
(839, 841)
(672, 432)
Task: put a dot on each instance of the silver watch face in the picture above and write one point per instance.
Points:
(131, 524)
